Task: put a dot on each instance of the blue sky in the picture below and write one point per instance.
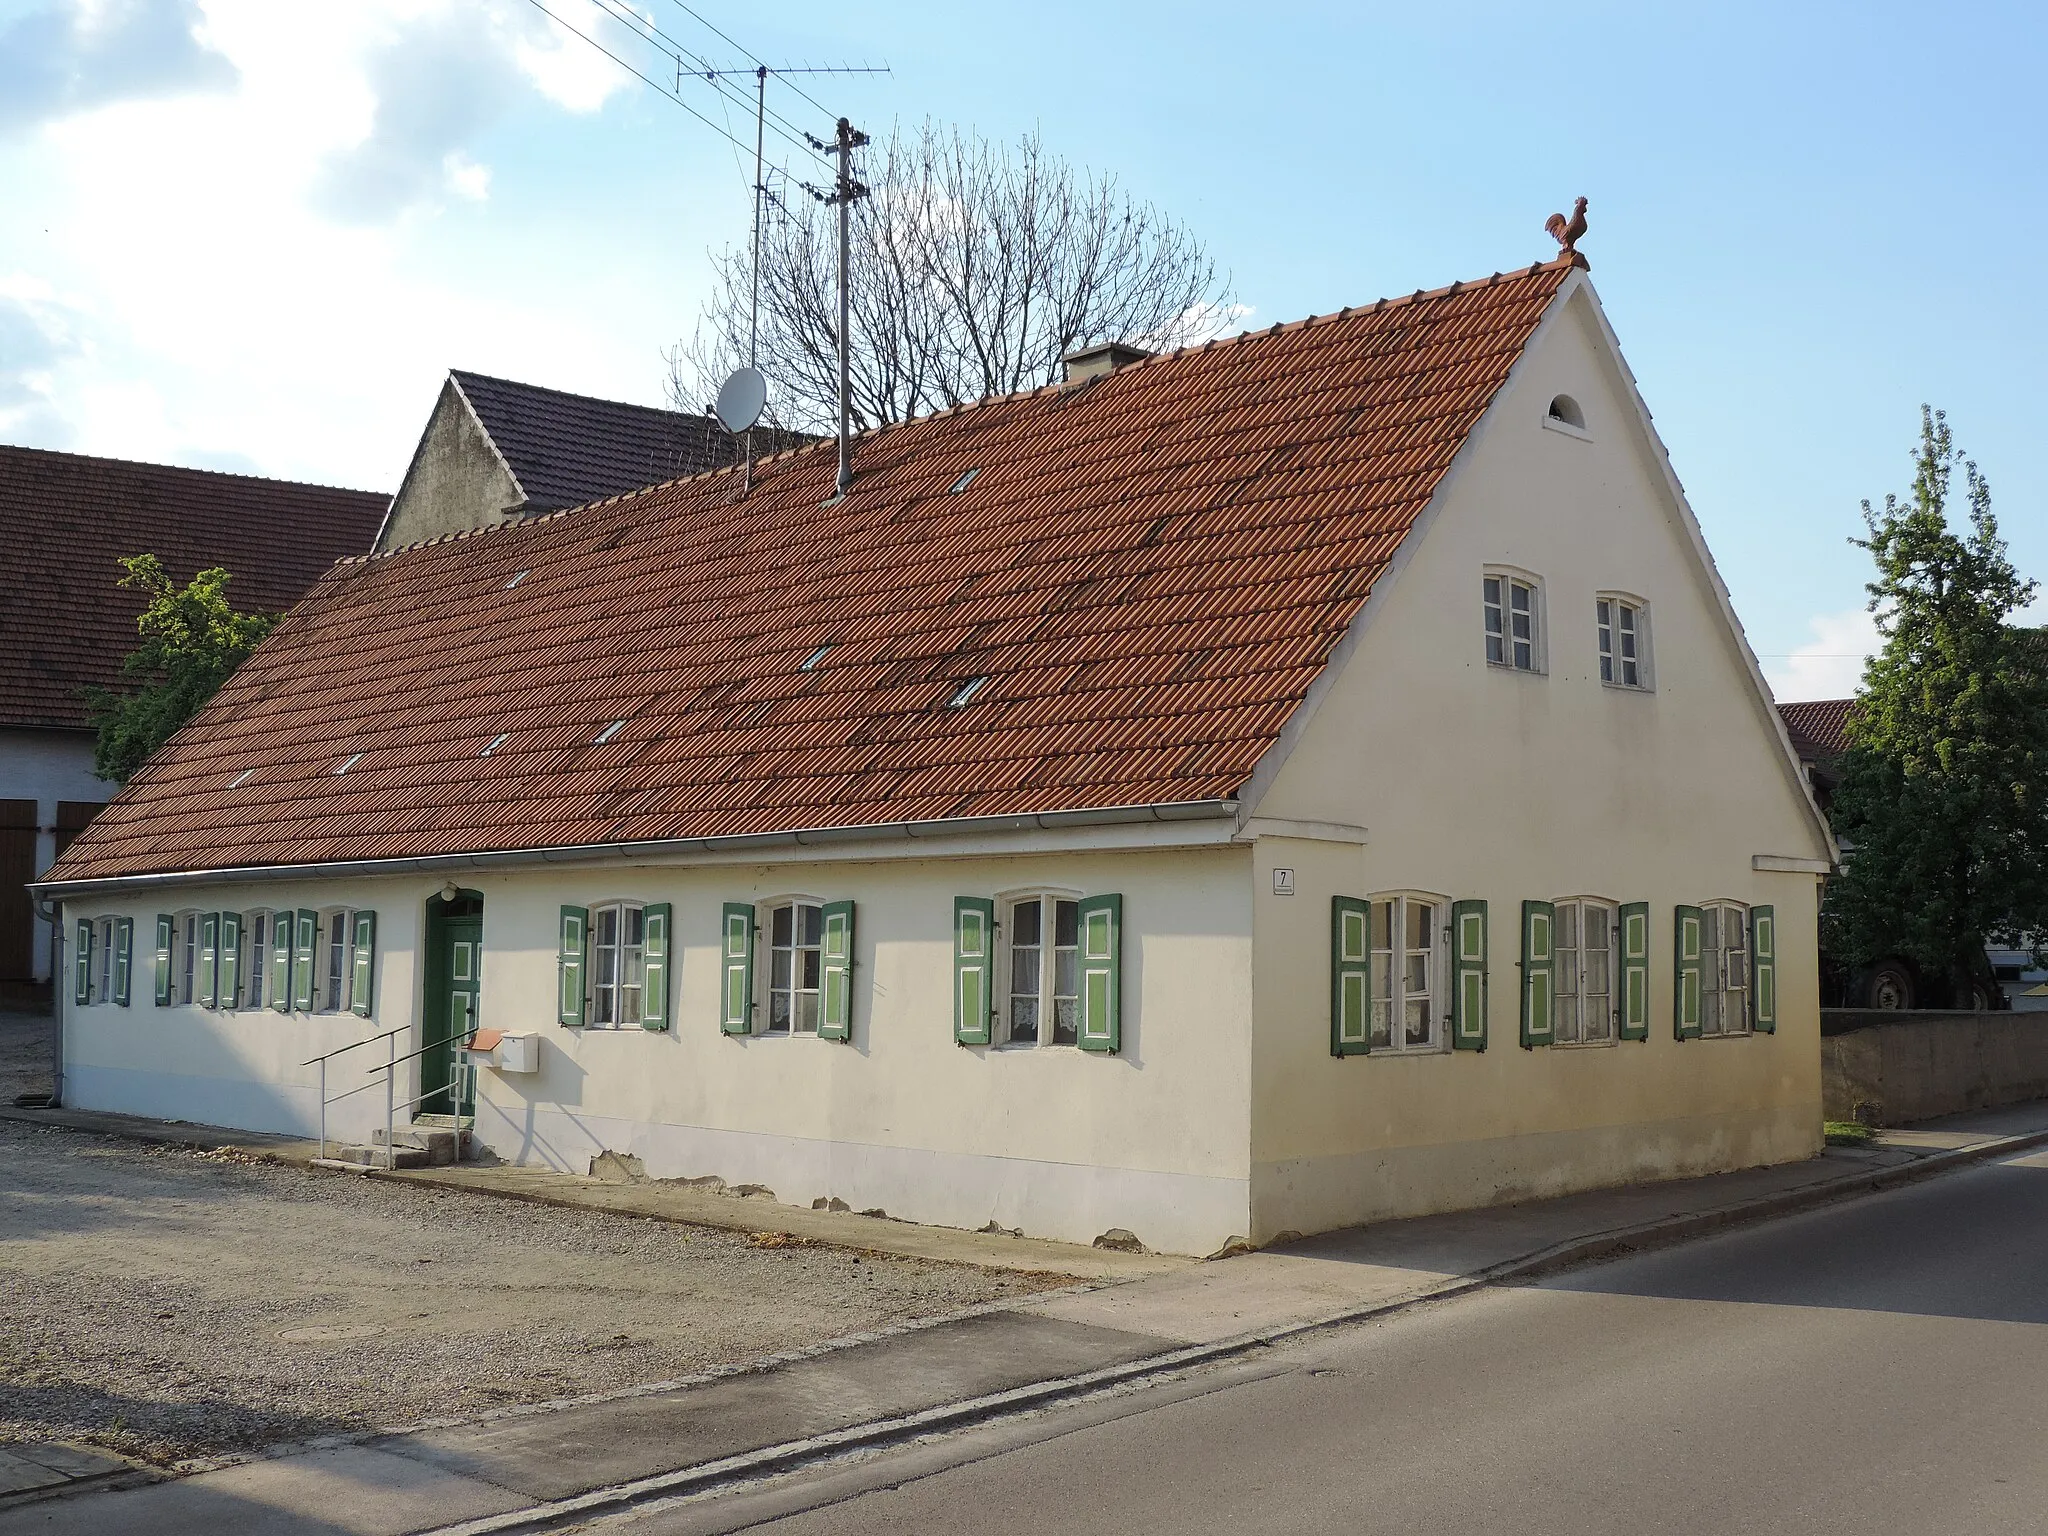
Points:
(253, 235)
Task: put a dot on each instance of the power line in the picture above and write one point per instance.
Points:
(540, 6)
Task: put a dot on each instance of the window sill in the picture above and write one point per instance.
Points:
(1627, 687)
(1511, 668)
(1558, 424)
(1738, 1034)
(1404, 1052)
(1584, 1045)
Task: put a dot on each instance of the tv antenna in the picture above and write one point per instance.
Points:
(747, 391)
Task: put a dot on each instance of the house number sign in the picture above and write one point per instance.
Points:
(1283, 882)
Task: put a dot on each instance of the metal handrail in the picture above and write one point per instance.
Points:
(389, 1067)
(366, 1040)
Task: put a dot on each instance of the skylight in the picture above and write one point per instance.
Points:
(241, 778)
(516, 580)
(497, 741)
(609, 732)
(350, 763)
(966, 691)
(964, 481)
(811, 661)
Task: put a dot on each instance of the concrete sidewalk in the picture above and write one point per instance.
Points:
(525, 1469)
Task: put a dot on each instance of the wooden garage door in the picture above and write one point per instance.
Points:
(17, 868)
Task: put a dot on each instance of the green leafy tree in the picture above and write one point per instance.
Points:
(192, 639)
(1943, 804)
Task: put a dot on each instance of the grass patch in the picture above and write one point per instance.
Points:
(1846, 1133)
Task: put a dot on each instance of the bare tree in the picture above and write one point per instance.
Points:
(975, 269)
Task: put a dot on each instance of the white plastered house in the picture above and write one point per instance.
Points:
(1306, 779)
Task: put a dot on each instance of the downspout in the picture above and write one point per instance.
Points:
(59, 975)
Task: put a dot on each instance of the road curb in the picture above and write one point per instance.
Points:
(769, 1460)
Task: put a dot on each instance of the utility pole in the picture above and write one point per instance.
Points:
(847, 191)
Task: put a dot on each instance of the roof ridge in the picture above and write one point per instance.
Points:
(187, 469)
(570, 394)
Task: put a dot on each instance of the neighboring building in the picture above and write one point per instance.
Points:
(496, 452)
(1819, 732)
(66, 624)
(1308, 778)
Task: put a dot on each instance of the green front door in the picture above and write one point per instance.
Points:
(455, 957)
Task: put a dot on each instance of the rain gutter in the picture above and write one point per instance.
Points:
(666, 848)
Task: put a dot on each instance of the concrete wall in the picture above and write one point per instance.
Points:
(48, 766)
(1897, 1068)
(1476, 781)
(456, 480)
(1051, 1140)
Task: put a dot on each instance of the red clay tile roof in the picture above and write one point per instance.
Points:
(65, 520)
(566, 449)
(1150, 569)
(1818, 728)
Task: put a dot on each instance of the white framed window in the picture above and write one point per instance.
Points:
(1623, 626)
(1408, 933)
(100, 981)
(1584, 935)
(1512, 602)
(184, 957)
(254, 965)
(1041, 998)
(618, 964)
(337, 960)
(1724, 968)
(796, 965)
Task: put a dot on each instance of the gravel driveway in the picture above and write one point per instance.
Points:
(169, 1303)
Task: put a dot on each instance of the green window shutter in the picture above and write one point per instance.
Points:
(305, 943)
(81, 963)
(570, 954)
(1468, 975)
(163, 959)
(230, 971)
(124, 956)
(1635, 971)
(736, 969)
(835, 1001)
(363, 964)
(1685, 991)
(657, 919)
(1350, 976)
(1763, 951)
(974, 926)
(281, 961)
(1102, 944)
(206, 982)
(1539, 973)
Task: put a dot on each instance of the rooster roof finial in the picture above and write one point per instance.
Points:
(1568, 233)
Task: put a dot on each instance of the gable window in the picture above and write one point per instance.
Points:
(796, 966)
(1583, 939)
(1044, 997)
(1724, 968)
(1514, 621)
(618, 964)
(1624, 642)
(1405, 933)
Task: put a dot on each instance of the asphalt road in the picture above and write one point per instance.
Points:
(1875, 1366)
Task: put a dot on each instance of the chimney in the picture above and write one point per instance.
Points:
(1104, 357)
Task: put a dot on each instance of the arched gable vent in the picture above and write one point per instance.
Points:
(1565, 409)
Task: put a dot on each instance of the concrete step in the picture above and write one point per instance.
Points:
(379, 1156)
(441, 1147)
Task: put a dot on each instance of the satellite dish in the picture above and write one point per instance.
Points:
(741, 400)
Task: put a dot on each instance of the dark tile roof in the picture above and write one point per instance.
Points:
(1818, 728)
(1150, 570)
(65, 520)
(565, 450)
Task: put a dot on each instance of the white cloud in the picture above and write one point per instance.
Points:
(1830, 665)
(67, 58)
(253, 272)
